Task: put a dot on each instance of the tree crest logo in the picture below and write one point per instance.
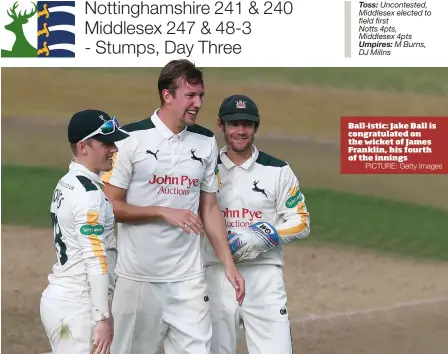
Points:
(53, 34)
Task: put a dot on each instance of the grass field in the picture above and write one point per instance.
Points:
(371, 223)
(376, 241)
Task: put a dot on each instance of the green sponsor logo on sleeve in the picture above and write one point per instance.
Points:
(88, 230)
(292, 202)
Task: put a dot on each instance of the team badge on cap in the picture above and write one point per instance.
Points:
(240, 104)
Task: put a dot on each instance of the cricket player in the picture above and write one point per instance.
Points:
(162, 180)
(264, 209)
(74, 307)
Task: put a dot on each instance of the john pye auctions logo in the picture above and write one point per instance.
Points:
(178, 181)
(248, 217)
(242, 213)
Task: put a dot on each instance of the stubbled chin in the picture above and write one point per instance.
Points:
(240, 145)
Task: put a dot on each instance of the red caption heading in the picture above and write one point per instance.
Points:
(394, 145)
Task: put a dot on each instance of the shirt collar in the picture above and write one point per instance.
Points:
(162, 128)
(229, 163)
(81, 169)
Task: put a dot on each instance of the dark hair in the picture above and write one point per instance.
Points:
(176, 72)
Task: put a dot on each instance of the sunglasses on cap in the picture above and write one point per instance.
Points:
(108, 127)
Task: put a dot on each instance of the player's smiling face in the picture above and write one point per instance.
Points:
(239, 135)
(186, 102)
(98, 155)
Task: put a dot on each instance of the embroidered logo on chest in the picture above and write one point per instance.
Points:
(194, 157)
(258, 190)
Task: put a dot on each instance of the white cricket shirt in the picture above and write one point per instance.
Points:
(263, 188)
(160, 168)
(83, 224)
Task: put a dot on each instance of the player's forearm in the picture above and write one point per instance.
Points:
(294, 229)
(99, 285)
(98, 276)
(215, 229)
(125, 212)
(112, 255)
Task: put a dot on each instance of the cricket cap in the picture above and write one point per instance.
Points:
(91, 121)
(238, 107)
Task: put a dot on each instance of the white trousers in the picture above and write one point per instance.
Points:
(69, 326)
(147, 314)
(263, 316)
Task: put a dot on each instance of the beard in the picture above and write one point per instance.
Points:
(239, 147)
